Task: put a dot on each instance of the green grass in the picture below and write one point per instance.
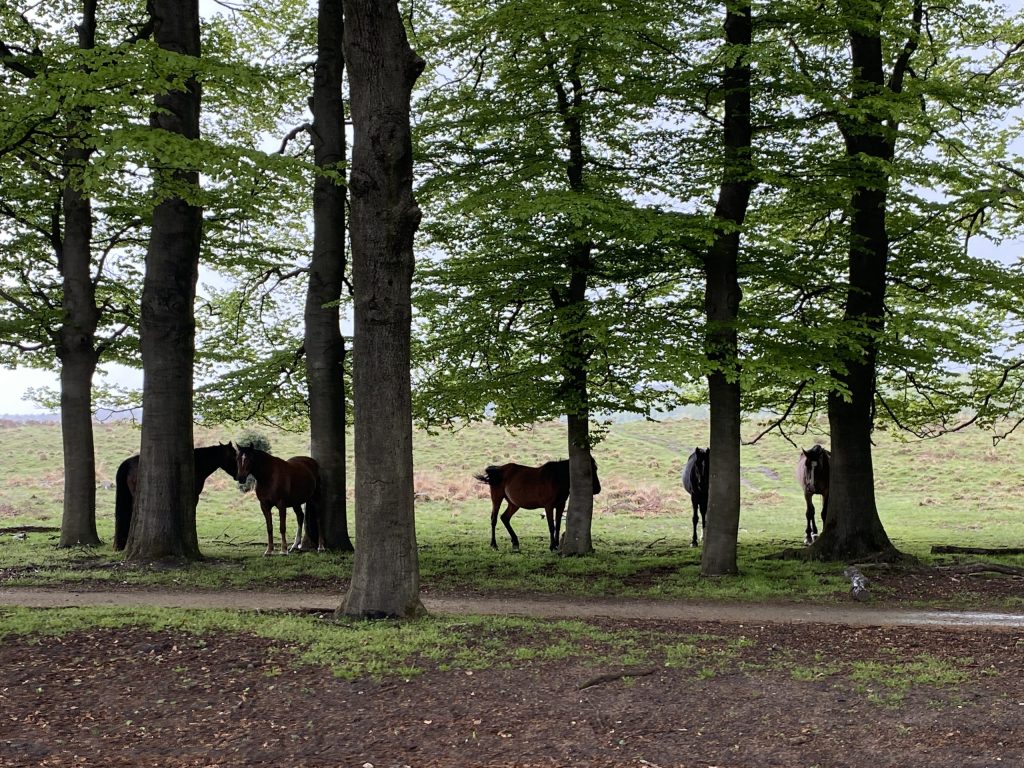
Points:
(960, 490)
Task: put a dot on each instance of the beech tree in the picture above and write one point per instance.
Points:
(551, 294)
(163, 524)
(722, 297)
(882, 218)
(62, 302)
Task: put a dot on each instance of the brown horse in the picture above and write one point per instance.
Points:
(283, 484)
(207, 461)
(523, 487)
(812, 475)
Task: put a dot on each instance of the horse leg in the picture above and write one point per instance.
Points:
(506, 518)
(559, 511)
(549, 512)
(282, 514)
(267, 509)
(811, 532)
(696, 507)
(495, 504)
(299, 520)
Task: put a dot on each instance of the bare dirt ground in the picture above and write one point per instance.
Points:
(809, 686)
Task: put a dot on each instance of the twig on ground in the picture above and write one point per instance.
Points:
(609, 677)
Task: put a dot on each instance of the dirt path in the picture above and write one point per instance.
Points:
(852, 614)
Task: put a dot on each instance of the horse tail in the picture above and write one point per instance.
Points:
(123, 502)
(491, 476)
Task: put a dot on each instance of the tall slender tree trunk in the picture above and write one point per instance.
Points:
(382, 70)
(164, 523)
(722, 302)
(324, 344)
(77, 346)
(575, 357)
(576, 348)
(853, 528)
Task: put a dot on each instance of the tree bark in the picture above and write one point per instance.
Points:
(382, 70)
(76, 348)
(722, 298)
(164, 523)
(324, 344)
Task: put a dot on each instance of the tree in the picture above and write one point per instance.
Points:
(722, 298)
(64, 305)
(382, 71)
(882, 300)
(324, 345)
(164, 520)
(77, 346)
(543, 138)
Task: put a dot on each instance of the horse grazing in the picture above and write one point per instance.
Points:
(207, 461)
(812, 473)
(524, 487)
(284, 484)
(695, 481)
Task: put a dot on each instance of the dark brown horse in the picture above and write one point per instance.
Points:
(812, 475)
(284, 484)
(207, 461)
(524, 487)
(696, 482)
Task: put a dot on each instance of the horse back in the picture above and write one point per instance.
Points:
(304, 475)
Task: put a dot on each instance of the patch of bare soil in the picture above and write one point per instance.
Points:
(789, 698)
(751, 692)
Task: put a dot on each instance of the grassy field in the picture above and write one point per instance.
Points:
(960, 490)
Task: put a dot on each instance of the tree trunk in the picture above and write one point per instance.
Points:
(576, 348)
(382, 69)
(77, 347)
(853, 528)
(722, 302)
(580, 510)
(164, 523)
(324, 345)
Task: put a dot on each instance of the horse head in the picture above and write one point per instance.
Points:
(593, 472)
(243, 462)
(815, 468)
(701, 467)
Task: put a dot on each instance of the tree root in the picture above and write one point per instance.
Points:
(952, 550)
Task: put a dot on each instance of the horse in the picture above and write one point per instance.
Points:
(207, 460)
(525, 487)
(812, 474)
(695, 481)
(284, 484)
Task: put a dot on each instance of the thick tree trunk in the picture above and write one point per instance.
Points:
(324, 345)
(853, 528)
(382, 69)
(164, 523)
(722, 303)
